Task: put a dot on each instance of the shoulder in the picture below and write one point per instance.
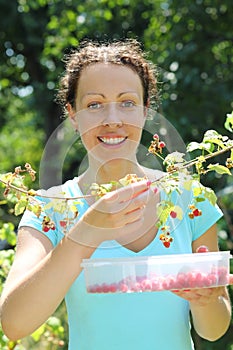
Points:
(60, 191)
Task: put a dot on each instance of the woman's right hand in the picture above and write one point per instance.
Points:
(116, 214)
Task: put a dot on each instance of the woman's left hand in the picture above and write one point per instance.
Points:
(201, 296)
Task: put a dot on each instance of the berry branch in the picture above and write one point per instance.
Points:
(175, 177)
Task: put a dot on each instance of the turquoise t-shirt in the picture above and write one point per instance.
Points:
(130, 321)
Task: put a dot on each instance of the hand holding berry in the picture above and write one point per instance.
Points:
(117, 214)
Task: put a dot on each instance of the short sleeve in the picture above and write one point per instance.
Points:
(210, 215)
(31, 220)
(69, 189)
(199, 224)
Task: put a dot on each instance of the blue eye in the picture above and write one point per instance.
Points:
(94, 105)
(128, 104)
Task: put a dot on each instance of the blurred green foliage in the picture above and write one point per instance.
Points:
(190, 41)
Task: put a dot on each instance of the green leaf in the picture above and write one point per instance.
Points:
(213, 137)
(193, 146)
(178, 211)
(231, 156)
(210, 195)
(188, 184)
(163, 211)
(38, 333)
(229, 122)
(57, 205)
(220, 169)
(199, 199)
(107, 187)
(197, 191)
(174, 157)
(21, 206)
(7, 232)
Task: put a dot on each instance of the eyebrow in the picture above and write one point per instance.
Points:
(102, 95)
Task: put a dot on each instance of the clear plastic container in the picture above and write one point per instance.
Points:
(157, 273)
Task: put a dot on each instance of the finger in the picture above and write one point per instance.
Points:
(128, 192)
(138, 202)
(92, 236)
(125, 200)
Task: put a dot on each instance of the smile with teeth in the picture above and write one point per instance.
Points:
(112, 140)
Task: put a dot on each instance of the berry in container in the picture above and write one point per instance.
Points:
(157, 273)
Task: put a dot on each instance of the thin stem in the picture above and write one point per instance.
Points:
(26, 192)
(184, 166)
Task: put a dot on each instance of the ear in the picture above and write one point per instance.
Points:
(72, 113)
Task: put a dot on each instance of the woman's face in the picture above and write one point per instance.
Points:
(109, 111)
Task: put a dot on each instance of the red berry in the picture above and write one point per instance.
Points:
(173, 214)
(155, 284)
(146, 285)
(123, 288)
(156, 137)
(45, 228)
(162, 144)
(202, 249)
(196, 212)
(112, 288)
(165, 284)
(63, 223)
(181, 280)
(166, 244)
(136, 287)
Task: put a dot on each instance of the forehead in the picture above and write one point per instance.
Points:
(109, 75)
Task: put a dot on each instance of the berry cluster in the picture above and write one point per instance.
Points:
(194, 211)
(165, 237)
(156, 145)
(47, 224)
(181, 281)
(229, 163)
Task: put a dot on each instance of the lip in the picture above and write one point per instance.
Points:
(110, 140)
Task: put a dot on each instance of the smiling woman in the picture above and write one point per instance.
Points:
(106, 90)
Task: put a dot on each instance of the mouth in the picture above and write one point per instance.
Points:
(112, 140)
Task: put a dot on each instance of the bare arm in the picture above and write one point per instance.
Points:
(38, 281)
(210, 307)
(41, 276)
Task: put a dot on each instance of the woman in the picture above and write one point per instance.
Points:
(106, 90)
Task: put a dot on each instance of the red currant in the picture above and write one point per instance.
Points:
(63, 223)
(166, 244)
(162, 144)
(202, 249)
(196, 212)
(173, 214)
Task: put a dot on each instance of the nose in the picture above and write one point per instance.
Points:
(112, 116)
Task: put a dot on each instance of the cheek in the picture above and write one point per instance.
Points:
(135, 131)
(88, 137)
(87, 126)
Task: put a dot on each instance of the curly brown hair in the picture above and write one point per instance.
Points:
(127, 53)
